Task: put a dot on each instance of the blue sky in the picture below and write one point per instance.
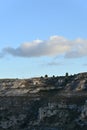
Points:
(39, 37)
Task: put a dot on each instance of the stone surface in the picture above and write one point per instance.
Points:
(51, 103)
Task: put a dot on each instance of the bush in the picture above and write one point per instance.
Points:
(46, 76)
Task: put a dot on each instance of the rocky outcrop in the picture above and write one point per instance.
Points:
(23, 113)
(46, 103)
(20, 87)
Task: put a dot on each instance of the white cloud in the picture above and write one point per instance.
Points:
(78, 49)
(55, 45)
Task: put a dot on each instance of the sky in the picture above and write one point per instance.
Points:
(39, 37)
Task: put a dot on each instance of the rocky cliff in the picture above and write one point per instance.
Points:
(44, 103)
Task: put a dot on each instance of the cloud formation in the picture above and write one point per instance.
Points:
(53, 63)
(55, 45)
(85, 64)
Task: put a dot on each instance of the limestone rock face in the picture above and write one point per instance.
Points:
(51, 103)
(20, 87)
(23, 113)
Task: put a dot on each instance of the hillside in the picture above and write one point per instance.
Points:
(44, 103)
(21, 87)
